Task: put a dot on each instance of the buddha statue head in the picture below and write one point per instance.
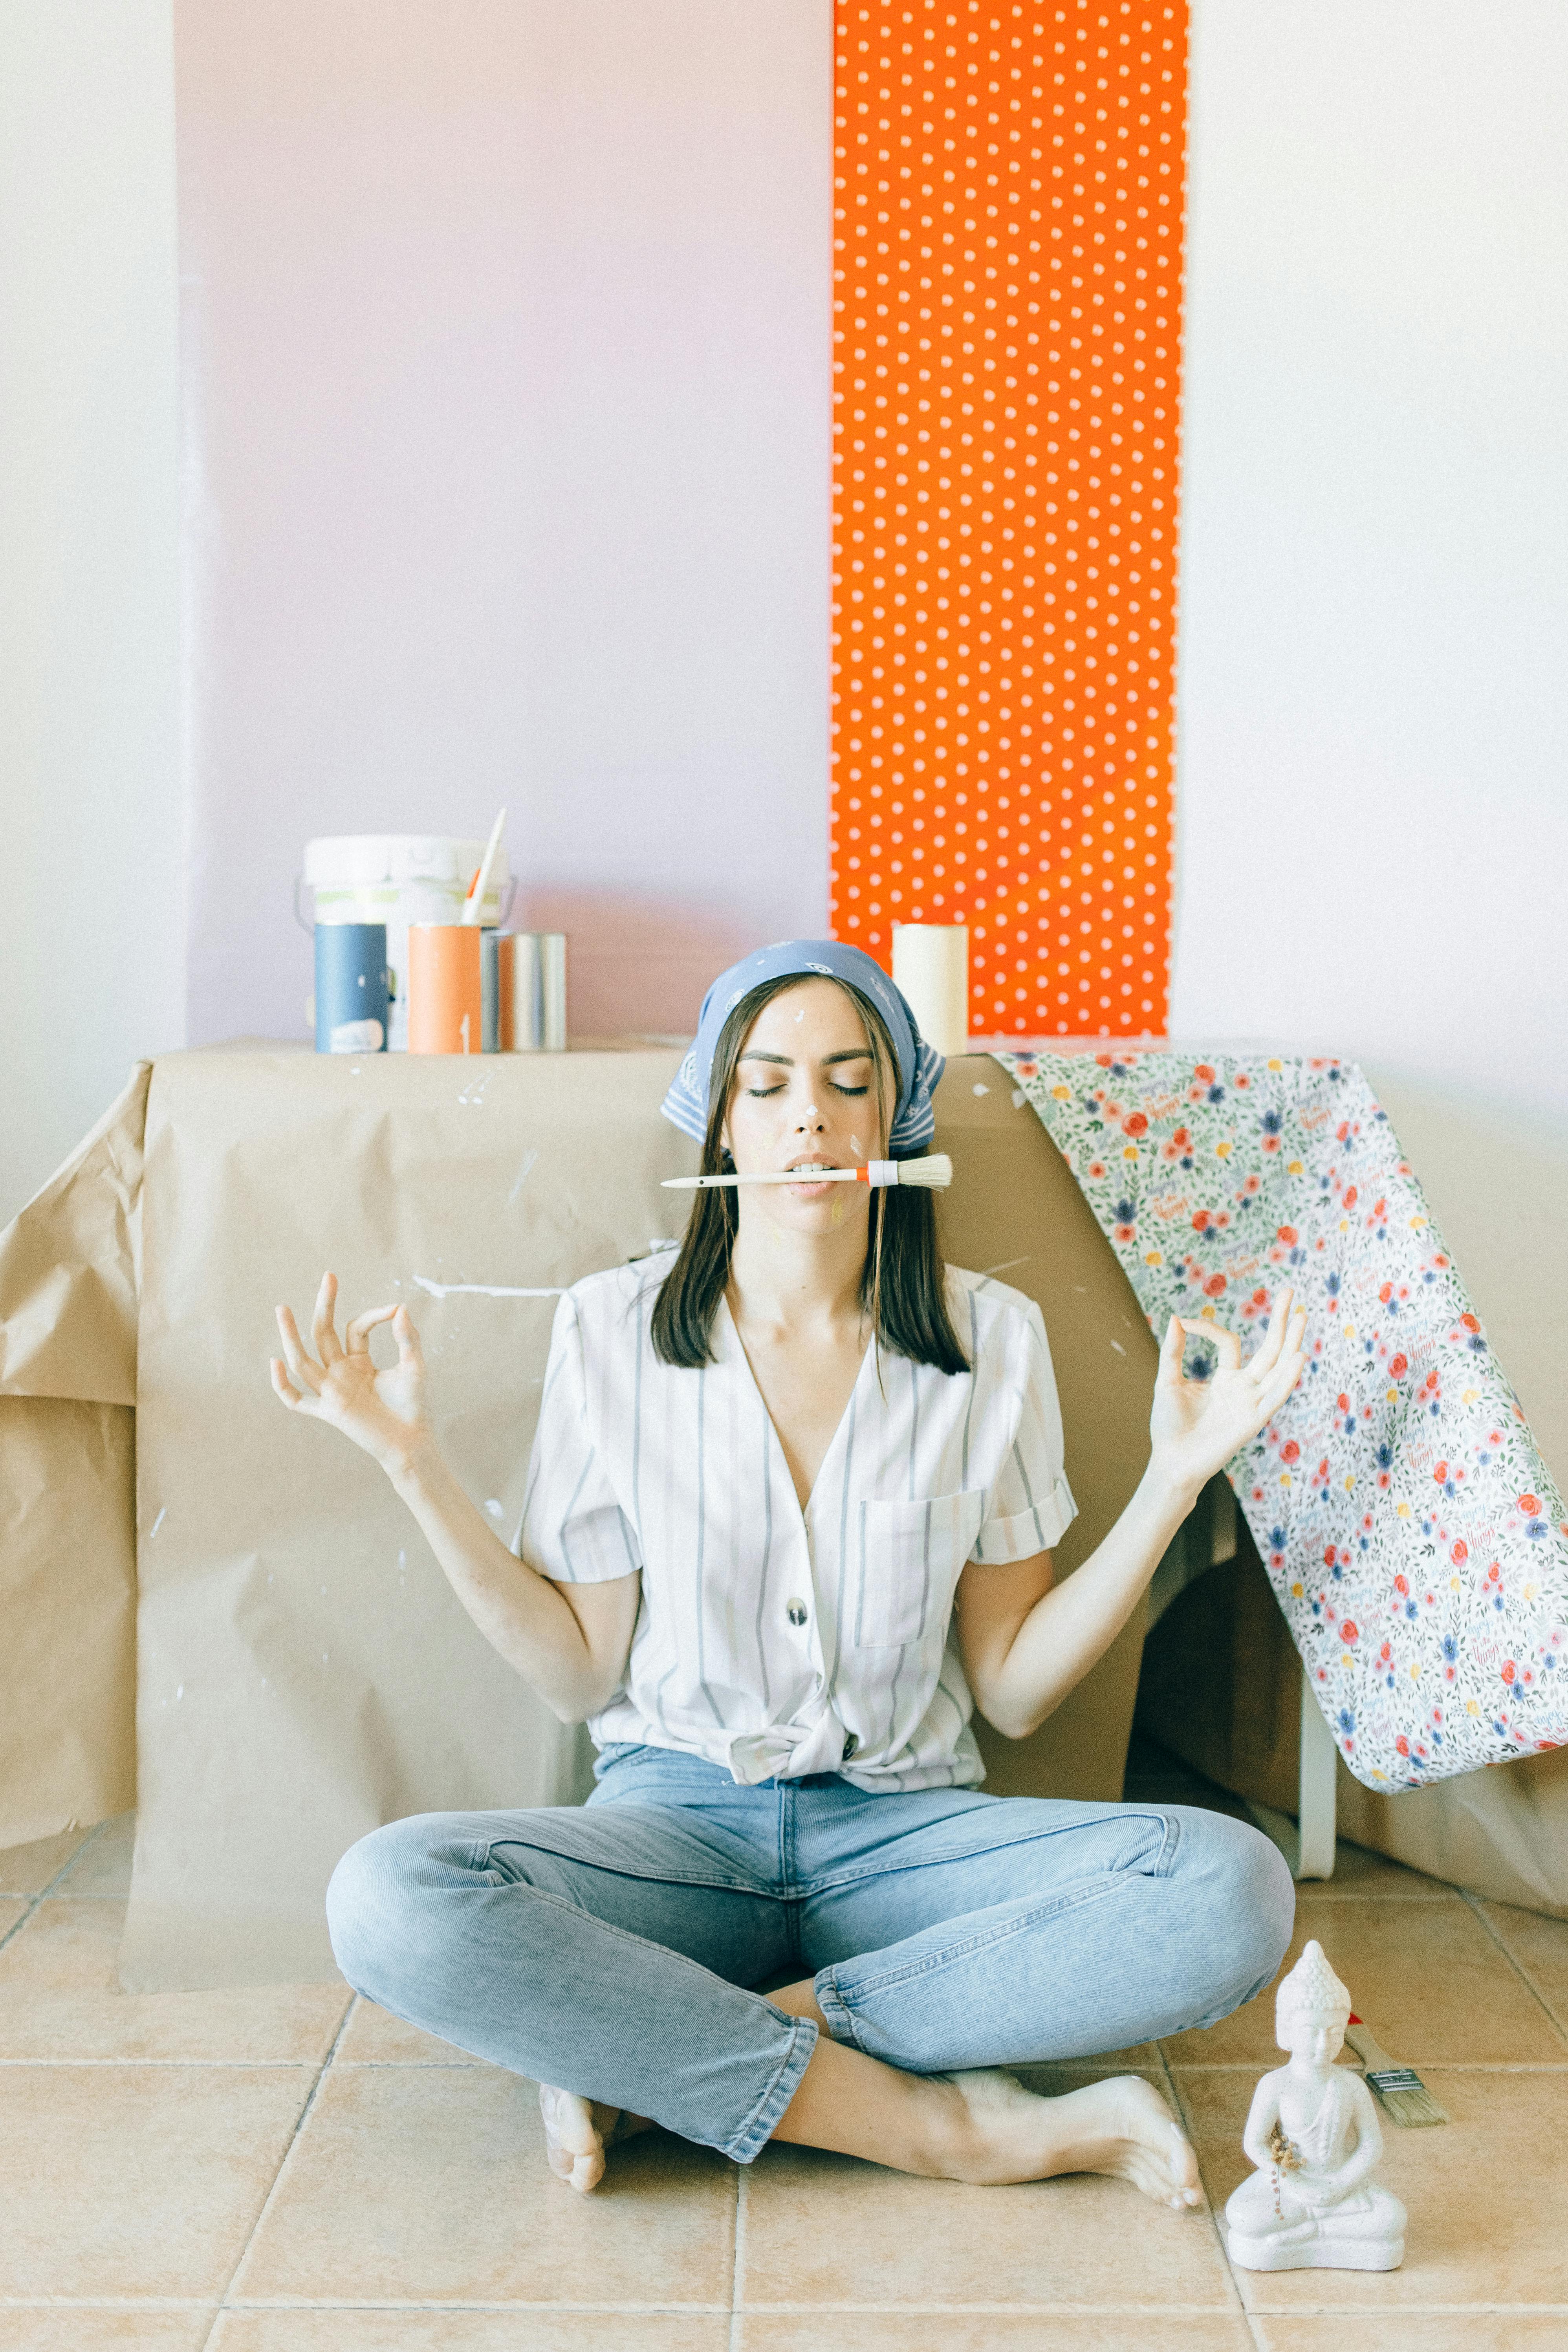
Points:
(1312, 2008)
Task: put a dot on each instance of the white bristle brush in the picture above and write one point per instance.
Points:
(933, 1175)
(1400, 2088)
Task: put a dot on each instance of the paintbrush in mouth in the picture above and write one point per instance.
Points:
(932, 1174)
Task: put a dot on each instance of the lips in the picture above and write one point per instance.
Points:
(810, 1173)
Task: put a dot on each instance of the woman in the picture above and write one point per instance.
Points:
(790, 1515)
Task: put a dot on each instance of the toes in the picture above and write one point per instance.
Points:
(574, 2146)
(568, 2119)
(1185, 2167)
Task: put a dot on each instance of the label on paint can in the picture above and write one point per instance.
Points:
(356, 1037)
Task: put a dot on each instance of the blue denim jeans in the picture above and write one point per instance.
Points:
(613, 1948)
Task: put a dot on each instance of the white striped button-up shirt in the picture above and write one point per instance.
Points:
(776, 1640)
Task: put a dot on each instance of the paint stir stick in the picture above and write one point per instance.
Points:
(932, 1174)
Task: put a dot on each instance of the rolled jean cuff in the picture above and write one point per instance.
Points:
(840, 2024)
(757, 2130)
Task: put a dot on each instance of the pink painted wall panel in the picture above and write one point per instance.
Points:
(506, 370)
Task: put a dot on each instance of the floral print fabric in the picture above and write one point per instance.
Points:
(1414, 1539)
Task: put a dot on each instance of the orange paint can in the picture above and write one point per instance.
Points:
(445, 998)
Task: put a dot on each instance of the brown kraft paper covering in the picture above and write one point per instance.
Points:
(67, 1606)
(69, 1269)
(306, 1672)
(267, 1165)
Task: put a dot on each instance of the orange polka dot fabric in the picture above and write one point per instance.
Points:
(1007, 312)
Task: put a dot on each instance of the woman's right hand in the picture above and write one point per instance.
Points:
(383, 1412)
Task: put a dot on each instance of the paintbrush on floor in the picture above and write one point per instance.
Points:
(1400, 2088)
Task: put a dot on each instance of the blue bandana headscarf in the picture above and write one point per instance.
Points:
(920, 1067)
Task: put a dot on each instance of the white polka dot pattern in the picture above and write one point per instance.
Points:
(1008, 288)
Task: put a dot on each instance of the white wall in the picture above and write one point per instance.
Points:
(1373, 822)
(506, 347)
(92, 849)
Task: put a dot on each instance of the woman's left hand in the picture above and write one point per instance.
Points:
(1197, 1425)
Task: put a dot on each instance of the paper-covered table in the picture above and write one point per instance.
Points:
(300, 1670)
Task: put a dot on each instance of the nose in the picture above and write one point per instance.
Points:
(810, 1117)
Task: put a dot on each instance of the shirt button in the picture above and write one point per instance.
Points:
(850, 1744)
(796, 1611)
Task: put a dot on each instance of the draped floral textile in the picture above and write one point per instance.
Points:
(1413, 1536)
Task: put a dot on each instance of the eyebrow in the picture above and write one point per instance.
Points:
(850, 1053)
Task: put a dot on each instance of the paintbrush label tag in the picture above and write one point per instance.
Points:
(1395, 2078)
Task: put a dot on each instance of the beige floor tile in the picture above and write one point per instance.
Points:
(949, 2331)
(1486, 2195)
(103, 1866)
(428, 2184)
(1359, 1871)
(1541, 1947)
(1428, 1978)
(137, 2180)
(58, 1999)
(471, 2331)
(1415, 2331)
(375, 2037)
(125, 2330)
(823, 2228)
(28, 1869)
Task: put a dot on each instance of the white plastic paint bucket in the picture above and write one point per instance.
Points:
(398, 879)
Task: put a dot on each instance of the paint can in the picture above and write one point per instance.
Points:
(446, 1005)
(525, 991)
(396, 878)
(351, 985)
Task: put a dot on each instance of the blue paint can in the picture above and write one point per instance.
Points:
(351, 987)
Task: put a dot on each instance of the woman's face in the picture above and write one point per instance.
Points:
(805, 1095)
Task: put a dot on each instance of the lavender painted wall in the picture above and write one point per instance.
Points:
(506, 370)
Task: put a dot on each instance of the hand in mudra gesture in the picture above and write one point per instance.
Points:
(1197, 1425)
(383, 1412)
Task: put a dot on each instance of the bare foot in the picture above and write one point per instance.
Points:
(1121, 2126)
(578, 2131)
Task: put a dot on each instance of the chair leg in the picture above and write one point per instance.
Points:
(1308, 1842)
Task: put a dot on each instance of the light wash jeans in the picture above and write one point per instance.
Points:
(610, 1947)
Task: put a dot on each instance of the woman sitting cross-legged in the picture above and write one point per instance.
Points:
(789, 1522)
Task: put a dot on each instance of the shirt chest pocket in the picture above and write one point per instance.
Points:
(909, 1560)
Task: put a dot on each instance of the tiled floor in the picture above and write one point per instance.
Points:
(290, 2170)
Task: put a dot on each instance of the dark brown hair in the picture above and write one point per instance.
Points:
(902, 1285)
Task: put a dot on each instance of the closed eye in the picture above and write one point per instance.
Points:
(761, 1094)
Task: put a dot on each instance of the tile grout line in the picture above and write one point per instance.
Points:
(1237, 2304)
(738, 2275)
(131, 2303)
(1517, 1965)
(68, 1864)
(300, 2122)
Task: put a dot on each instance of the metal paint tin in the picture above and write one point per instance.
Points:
(445, 1010)
(351, 985)
(525, 991)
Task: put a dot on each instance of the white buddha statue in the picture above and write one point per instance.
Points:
(1313, 2134)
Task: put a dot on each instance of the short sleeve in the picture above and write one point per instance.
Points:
(1029, 1505)
(574, 1528)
